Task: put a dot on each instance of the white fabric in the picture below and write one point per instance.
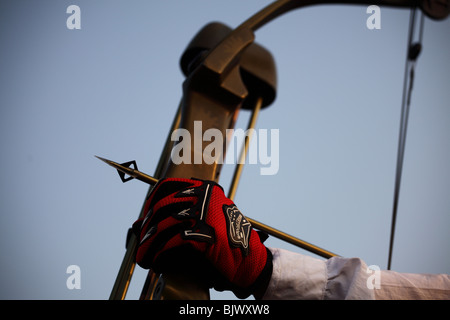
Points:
(300, 277)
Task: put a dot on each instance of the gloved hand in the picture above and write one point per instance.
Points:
(185, 216)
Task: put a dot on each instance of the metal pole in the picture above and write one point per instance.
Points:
(126, 270)
(240, 164)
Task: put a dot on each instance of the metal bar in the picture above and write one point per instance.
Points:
(126, 270)
(291, 239)
(149, 287)
(240, 165)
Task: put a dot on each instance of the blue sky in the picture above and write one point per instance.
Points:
(111, 89)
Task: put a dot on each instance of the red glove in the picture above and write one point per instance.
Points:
(196, 213)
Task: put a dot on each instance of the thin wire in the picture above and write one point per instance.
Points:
(406, 100)
(422, 19)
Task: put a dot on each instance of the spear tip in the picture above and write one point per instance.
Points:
(104, 160)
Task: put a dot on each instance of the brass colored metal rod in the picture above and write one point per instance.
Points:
(167, 149)
(149, 289)
(127, 267)
(240, 164)
(257, 225)
(126, 270)
(291, 239)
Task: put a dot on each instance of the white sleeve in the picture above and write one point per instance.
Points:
(301, 277)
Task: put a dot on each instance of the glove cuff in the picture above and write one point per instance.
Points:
(258, 288)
